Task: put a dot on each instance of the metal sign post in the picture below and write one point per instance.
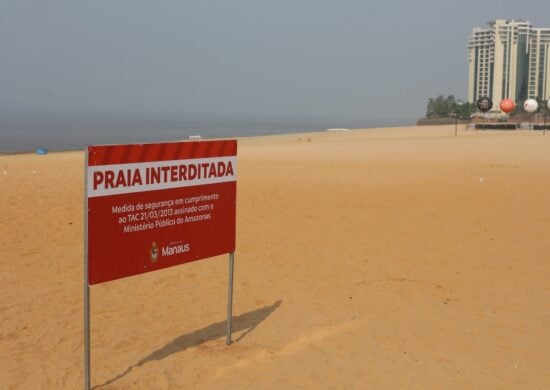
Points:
(87, 381)
(230, 297)
(87, 337)
(544, 124)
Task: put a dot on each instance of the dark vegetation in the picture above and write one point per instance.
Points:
(449, 107)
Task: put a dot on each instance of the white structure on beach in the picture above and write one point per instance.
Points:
(509, 59)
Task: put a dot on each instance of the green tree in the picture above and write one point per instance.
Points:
(543, 105)
(430, 108)
(518, 110)
(464, 110)
(444, 107)
(438, 107)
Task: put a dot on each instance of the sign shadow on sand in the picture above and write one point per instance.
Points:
(247, 322)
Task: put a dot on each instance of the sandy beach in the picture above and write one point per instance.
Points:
(400, 258)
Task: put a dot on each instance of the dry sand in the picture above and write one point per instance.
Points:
(384, 259)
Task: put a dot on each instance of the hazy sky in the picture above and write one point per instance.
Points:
(300, 57)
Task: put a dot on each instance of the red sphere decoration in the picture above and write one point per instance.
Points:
(507, 105)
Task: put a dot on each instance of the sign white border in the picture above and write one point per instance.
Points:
(142, 167)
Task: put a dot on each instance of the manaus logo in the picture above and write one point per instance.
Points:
(154, 253)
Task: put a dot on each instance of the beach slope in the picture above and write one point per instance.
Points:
(381, 258)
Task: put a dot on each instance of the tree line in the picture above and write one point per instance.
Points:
(444, 107)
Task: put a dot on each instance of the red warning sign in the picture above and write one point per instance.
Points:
(153, 206)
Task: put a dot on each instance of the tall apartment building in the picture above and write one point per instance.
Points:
(509, 59)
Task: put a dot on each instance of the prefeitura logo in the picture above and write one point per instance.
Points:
(154, 252)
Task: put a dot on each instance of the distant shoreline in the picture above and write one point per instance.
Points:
(373, 133)
(26, 135)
